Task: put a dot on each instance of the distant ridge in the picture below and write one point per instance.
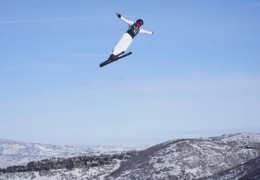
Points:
(230, 156)
(13, 153)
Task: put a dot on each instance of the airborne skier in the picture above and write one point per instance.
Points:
(126, 40)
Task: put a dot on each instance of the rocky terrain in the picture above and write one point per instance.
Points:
(234, 156)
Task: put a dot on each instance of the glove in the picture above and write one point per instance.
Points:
(118, 15)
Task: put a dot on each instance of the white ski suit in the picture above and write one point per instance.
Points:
(127, 38)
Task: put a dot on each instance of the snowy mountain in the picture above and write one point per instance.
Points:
(191, 158)
(14, 153)
(230, 156)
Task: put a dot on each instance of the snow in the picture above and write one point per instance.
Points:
(14, 153)
(190, 158)
(243, 138)
(181, 159)
(193, 170)
(92, 173)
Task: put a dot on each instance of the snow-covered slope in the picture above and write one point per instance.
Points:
(96, 173)
(14, 153)
(191, 158)
(230, 156)
(247, 171)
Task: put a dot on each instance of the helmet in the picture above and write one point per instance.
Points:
(140, 21)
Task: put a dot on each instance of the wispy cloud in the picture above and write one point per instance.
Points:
(40, 20)
(221, 84)
(256, 4)
(50, 20)
(34, 66)
(86, 55)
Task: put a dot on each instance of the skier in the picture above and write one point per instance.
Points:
(127, 38)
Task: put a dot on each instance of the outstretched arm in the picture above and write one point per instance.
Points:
(146, 32)
(124, 19)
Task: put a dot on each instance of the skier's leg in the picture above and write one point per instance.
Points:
(127, 43)
(122, 45)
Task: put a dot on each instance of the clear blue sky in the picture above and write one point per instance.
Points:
(198, 74)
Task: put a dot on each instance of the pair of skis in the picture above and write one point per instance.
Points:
(117, 57)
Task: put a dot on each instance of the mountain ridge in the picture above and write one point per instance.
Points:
(217, 157)
(13, 153)
(191, 158)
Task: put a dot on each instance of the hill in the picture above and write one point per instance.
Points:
(230, 156)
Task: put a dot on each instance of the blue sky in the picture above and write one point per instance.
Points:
(198, 75)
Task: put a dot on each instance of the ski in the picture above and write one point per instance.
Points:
(117, 58)
(105, 62)
(127, 54)
(110, 60)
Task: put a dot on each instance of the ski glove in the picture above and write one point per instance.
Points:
(118, 15)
